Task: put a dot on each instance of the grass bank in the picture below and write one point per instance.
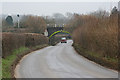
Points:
(108, 62)
(0, 68)
(9, 63)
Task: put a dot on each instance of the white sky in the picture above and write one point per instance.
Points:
(59, 0)
(48, 7)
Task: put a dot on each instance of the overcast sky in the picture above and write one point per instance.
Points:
(48, 8)
(59, 0)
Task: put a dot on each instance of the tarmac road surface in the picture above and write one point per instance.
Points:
(60, 61)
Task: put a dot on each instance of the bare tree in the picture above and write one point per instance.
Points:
(100, 13)
(35, 24)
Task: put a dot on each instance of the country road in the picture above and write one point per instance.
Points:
(60, 61)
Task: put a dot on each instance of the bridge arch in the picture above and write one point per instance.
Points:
(59, 32)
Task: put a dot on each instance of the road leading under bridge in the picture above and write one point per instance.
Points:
(60, 61)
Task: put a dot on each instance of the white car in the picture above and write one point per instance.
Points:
(63, 40)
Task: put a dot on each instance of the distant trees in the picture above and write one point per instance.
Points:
(58, 15)
(23, 21)
(28, 23)
(35, 24)
(59, 18)
(78, 20)
(100, 13)
(49, 20)
(69, 15)
(4, 23)
(103, 13)
(74, 22)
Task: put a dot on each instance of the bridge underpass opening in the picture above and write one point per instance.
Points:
(56, 36)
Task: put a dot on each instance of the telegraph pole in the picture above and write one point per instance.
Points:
(18, 20)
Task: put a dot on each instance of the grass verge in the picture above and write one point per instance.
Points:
(10, 62)
(0, 68)
(111, 63)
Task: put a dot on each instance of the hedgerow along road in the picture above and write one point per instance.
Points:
(60, 61)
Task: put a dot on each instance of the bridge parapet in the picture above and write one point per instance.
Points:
(51, 30)
(55, 25)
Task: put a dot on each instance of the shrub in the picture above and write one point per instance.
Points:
(34, 24)
(99, 35)
(12, 41)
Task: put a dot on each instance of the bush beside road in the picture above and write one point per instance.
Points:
(15, 46)
(96, 38)
(12, 41)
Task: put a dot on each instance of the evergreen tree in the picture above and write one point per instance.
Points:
(9, 20)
